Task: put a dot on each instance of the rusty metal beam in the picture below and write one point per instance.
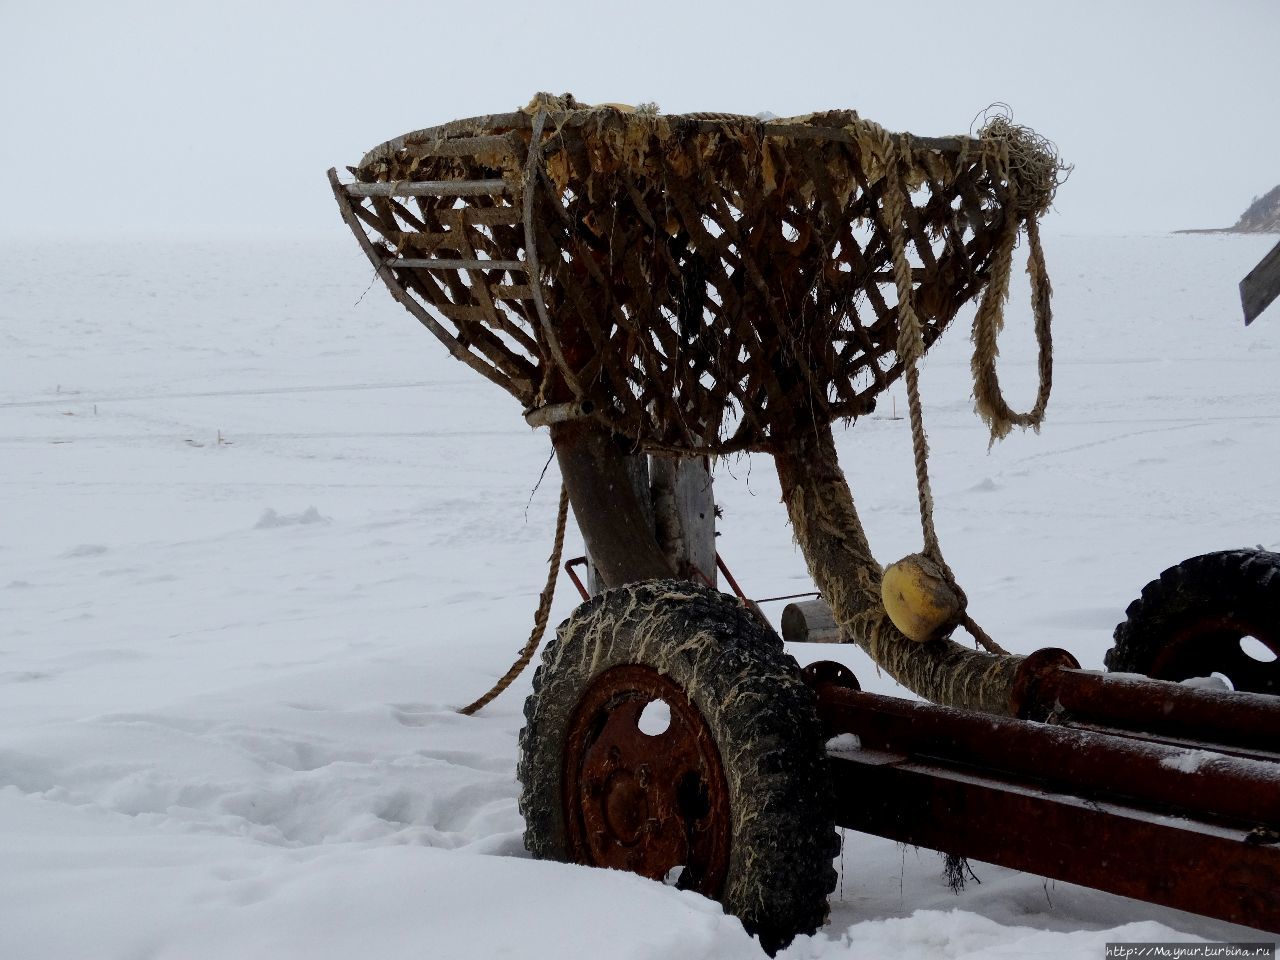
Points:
(1210, 870)
(1174, 780)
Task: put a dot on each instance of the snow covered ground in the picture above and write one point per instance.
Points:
(260, 536)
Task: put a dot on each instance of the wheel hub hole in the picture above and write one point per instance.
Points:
(1223, 679)
(692, 798)
(1255, 649)
(655, 719)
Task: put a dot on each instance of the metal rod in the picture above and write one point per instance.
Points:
(1204, 783)
(1186, 743)
(724, 568)
(577, 581)
(1160, 707)
(790, 596)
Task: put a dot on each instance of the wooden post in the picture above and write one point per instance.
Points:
(610, 504)
(642, 518)
(685, 514)
(636, 468)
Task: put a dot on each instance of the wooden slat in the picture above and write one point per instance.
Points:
(403, 213)
(389, 149)
(371, 219)
(431, 263)
(494, 216)
(504, 144)
(511, 291)
(465, 313)
(417, 241)
(429, 188)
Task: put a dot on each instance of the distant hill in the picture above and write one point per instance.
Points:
(1263, 216)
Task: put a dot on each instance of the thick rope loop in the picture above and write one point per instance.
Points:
(988, 396)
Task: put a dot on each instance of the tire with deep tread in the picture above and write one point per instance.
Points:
(759, 712)
(1190, 620)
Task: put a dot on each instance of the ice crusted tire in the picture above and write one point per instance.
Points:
(1217, 613)
(669, 734)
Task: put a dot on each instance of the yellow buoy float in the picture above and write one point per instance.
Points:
(919, 598)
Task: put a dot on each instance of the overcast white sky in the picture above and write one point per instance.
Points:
(224, 115)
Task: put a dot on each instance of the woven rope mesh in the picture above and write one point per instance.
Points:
(706, 280)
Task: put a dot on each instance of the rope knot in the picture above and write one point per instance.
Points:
(1029, 162)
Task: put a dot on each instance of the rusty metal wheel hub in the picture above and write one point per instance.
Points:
(647, 802)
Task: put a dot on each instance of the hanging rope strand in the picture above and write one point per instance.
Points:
(910, 350)
(540, 618)
(989, 321)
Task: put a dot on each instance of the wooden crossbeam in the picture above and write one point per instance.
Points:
(429, 188)
(432, 263)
